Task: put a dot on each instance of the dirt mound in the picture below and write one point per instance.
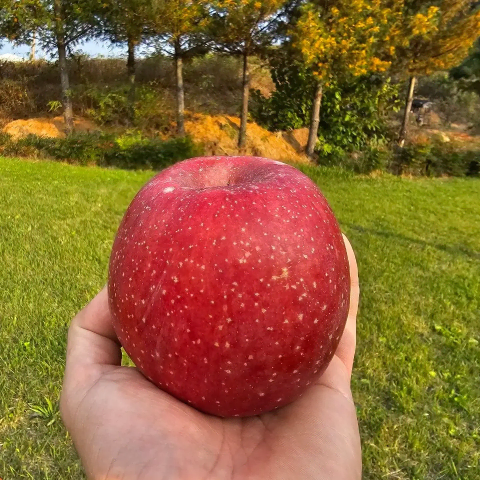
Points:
(46, 127)
(219, 135)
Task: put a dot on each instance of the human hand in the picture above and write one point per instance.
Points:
(124, 427)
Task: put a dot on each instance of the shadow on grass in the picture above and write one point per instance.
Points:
(455, 250)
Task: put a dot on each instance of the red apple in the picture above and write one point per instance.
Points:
(229, 283)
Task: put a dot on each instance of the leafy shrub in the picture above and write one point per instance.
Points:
(105, 105)
(430, 159)
(108, 105)
(354, 115)
(103, 149)
(80, 148)
(375, 159)
(152, 153)
(436, 159)
(130, 138)
(151, 108)
(370, 159)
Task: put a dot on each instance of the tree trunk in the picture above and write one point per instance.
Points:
(33, 46)
(131, 79)
(242, 137)
(408, 107)
(314, 120)
(62, 63)
(180, 89)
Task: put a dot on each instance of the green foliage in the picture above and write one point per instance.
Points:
(47, 412)
(353, 113)
(108, 105)
(151, 110)
(123, 20)
(368, 160)
(131, 150)
(176, 19)
(436, 159)
(468, 72)
(54, 105)
(130, 139)
(290, 103)
(18, 19)
(466, 80)
(134, 150)
(152, 153)
(78, 148)
(245, 25)
(75, 20)
(374, 159)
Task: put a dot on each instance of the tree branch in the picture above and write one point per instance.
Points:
(80, 34)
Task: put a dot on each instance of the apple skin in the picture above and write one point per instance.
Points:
(229, 283)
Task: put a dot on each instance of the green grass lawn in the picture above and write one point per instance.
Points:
(417, 375)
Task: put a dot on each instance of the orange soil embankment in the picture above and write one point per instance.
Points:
(46, 127)
(217, 133)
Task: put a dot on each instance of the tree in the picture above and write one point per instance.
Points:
(432, 36)
(61, 24)
(354, 110)
(245, 27)
(180, 25)
(33, 46)
(340, 39)
(18, 20)
(126, 21)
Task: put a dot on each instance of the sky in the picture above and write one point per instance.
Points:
(93, 48)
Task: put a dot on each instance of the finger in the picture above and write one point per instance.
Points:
(346, 347)
(96, 317)
(91, 337)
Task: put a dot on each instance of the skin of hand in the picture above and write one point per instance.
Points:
(124, 427)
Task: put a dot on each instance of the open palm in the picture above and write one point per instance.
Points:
(126, 428)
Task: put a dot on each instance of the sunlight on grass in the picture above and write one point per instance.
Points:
(417, 367)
